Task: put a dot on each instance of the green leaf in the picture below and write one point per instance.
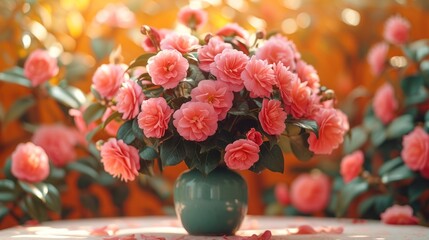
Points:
(7, 190)
(390, 165)
(414, 90)
(412, 48)
(92, 133)
(76, 94)
(148, 153)
(38, 190)
(102, 47)
(16, 76)
(271, 158)
(427, 121)
(138, 132)
(195, 73)
(422, 53)
(126, 133)
(310, 125)
(35, 208)
(172, 151)
(93, 112)
(378, 135)
(63, 96)
(53, 199)
(400, 126)
(112, 117)
(7, 196)
(141, 60)
(18, 108)
(424, 67)
(417, 188)
(56, 173)
(83, 168)
(356, 140)
(209, 161)
(300, 146)
(378, 203)
(397, 174)
(349, 192)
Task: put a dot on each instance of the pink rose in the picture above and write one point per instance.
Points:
(181, 42)
(30, 163)
(59, 143)
(385, 103)
(40, 67)
(154, 117)
(272, 117)
(108, 78)
(254, 136)
(228, 66)
(415, 151)
(281, 192)
(116, 15)
(120, 159)
(192, 18)
(377, 57)
(308, 74)
(158, 36)
(397, 30)
(310, 192)
(331, 131)
(241, 154)
(278, 49)
(400, 215)
(216, 94)
(258, 78)
(207, 53)
(195, 121)
(232, 30)
(167, 68)
(351, 165)
(129, 98)
(113, 126)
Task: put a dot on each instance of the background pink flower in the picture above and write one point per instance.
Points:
(195, 121)
(40, 67)
(272, 117)
(113, 126)
(377, 57)
(181, 42)
(214, 93)
(415, 152)
(207, 53)
(397, 30)
(310, 193)
(278, 49)
(108, 78)
(129, 98)
(30, 163)
(281, 192)
(241, 154)
(232, 30)
(167, 68)
(158, 35)
(254, 136)
(154, 117)
(385, 103)
(116, 15)
(401, 215)
(258, 78)
(120, 159)
(192, 18)
(351, 165)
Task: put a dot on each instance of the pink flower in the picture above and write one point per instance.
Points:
(385, 103)
(241, 154)
(351, 165)
(58, 141)
(167, 68)
(397, 30)
(158, 36)
(129, 98)
(181, 42)
(216, 94)
(285, 80)
(310, 193)
(207, 53)
(30, 163)
(79, 122)
(154, 117)
(108, 78)
(301, 100)
(116, 15)
(344, 120)
(331, 131)
(278, 49)
(400, 215)
(195, 121)
(120, 159)
(258, 78)
(308, 74)
(232, 30)
(228, 66)
(254, 136)
(272, 117)
(281, 192)
(40, 67)
(113, 126)
(192, 18)
(415, 151)
(377, 57)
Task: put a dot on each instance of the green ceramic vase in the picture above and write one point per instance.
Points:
(211, 205)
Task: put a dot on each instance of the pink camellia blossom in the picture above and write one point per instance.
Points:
(285, 80)
(344, 120)
(302, 100)
(399, 215)
(415, 151)
(351, 165)
(385, 103)
(331, 131)
(397, 30)
(241, 154)
(281, 192)
(278, 49)
(167, 68)
(58, 141)
(228, 66)
(113, 126)
(192, 18)
(377, 57)
(232, 30)
(154, 117)
(120, 160)
(181, 42)
(272, 117)
(207, 53)
(195, 121)
(254, 136)
(308, 74)
(108, 78)
(216, 94)
(30, 163)
(129, 98)
(40, 67)
(310, 192)
(158, 36)
(258, 78)
(116, 15)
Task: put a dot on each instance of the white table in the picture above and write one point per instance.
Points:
(170, 228)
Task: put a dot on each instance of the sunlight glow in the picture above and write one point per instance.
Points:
(350, 17)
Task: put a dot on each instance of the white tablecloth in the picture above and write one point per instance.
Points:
(169, 227)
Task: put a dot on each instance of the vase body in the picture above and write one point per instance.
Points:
(213, 204)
